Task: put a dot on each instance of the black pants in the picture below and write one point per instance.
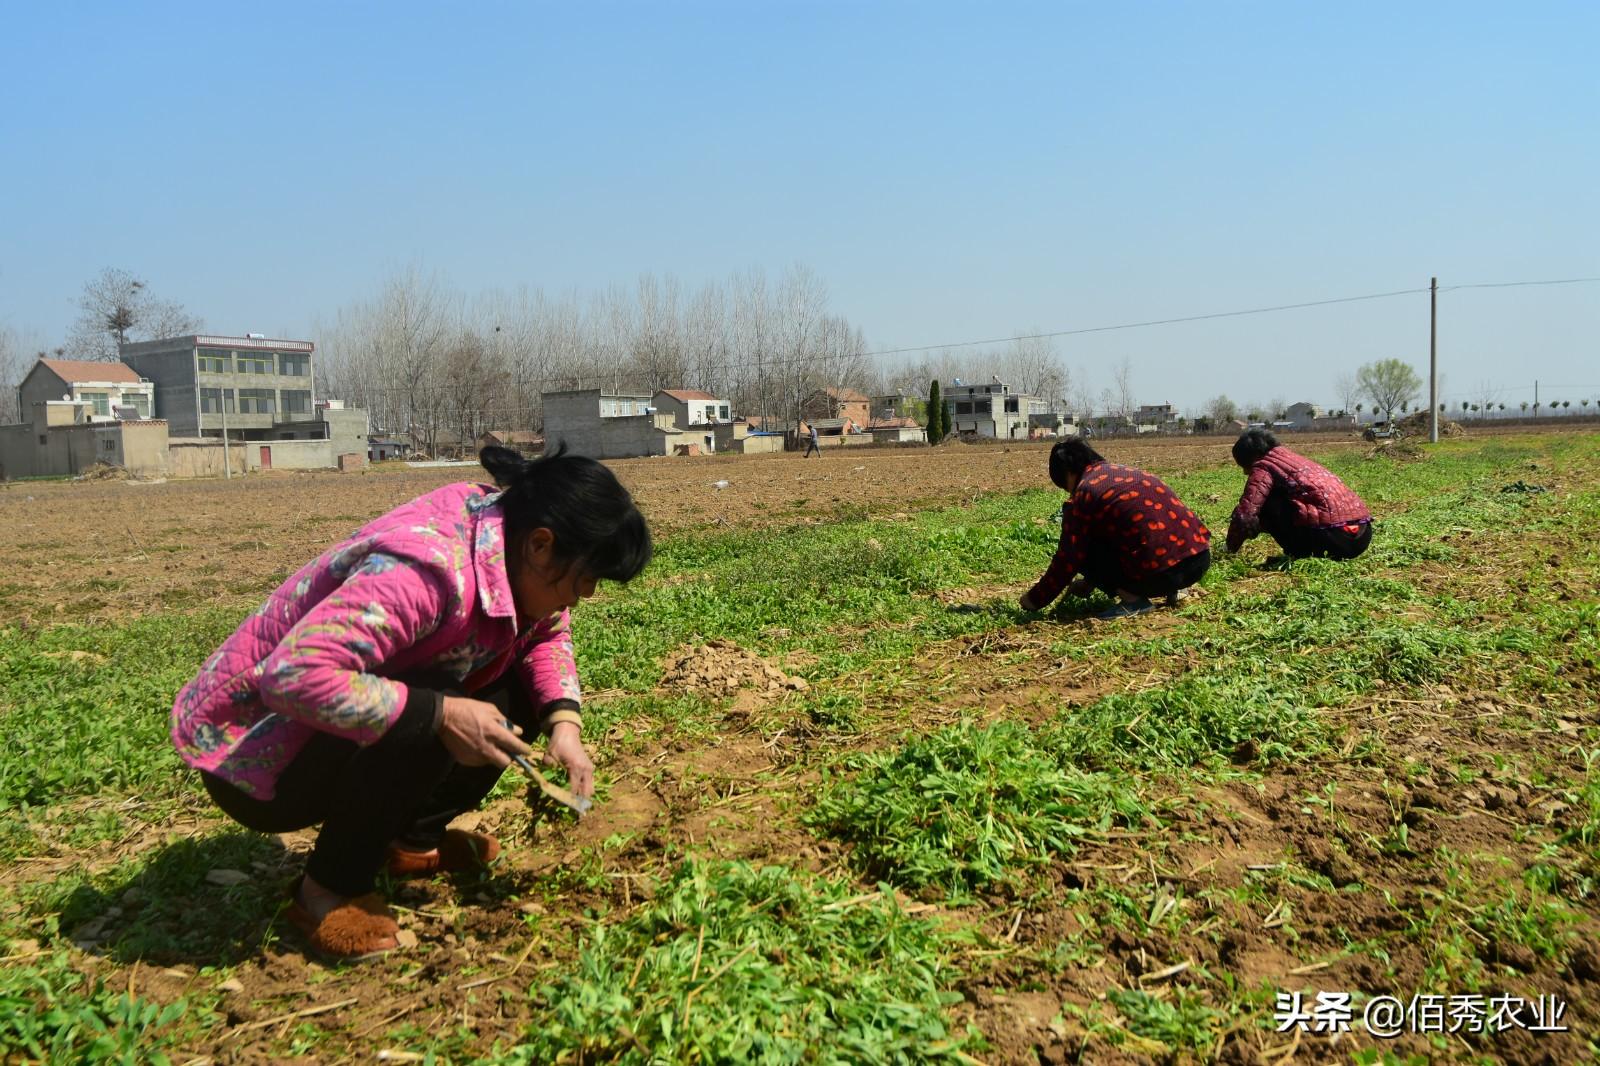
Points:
(1103, 570)
(811, 446)
(367, 798)
(1301, 542)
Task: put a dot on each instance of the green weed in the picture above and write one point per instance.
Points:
(967, 806)
(1183, 1022)
(51, 1013)
(732, 963)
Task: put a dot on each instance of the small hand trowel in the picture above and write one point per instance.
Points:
(581, 804)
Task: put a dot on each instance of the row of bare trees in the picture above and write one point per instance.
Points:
(430, 360)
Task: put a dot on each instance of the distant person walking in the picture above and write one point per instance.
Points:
(812, 445)
(1123, 531)
(1299, 503)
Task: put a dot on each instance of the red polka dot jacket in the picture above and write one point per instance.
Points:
(1144, 522)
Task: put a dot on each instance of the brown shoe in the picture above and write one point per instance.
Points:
(360, 928)
(459, 850)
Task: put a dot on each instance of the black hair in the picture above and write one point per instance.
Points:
(1252, 445)
(596, 525)
(1071, 456)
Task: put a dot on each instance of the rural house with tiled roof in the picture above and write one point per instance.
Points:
(691, 407)
(827, 404)
(102, 387)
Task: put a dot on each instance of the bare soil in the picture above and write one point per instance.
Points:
(108, 548)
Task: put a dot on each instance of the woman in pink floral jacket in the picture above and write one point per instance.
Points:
(382, 689)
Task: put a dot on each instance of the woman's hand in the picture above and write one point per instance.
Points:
(476, 734)
(566, 748)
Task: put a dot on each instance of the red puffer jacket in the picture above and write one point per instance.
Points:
(1317, 498)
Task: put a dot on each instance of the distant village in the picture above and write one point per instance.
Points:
(220, 406)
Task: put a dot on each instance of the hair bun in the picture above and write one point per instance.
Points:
(503, 464)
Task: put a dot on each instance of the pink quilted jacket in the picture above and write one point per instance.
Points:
(424, 588)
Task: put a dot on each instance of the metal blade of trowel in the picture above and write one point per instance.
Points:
(581, 804)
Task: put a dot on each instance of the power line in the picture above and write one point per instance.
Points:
(1149, 322)
(1516, 284)
(1222, 314)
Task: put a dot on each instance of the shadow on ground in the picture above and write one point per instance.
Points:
(207, 901)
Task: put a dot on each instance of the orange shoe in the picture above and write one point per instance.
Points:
(360, 928)
(459, 850)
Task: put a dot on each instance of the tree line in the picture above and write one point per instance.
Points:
(437, 363)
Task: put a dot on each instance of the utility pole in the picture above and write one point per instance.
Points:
(227, 463)
(1433, 362)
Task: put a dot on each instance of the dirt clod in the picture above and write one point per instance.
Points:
(720, 668)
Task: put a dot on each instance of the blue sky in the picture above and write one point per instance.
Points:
(953, 172)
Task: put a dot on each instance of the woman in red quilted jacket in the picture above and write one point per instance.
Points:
(1300, 504)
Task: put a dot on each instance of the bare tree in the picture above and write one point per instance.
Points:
(708, 341)
(1079, 400)
(387, 355)
(1030, 364)
(1348, 389)
(13, 366)
(753, 336)
(1485, 394)
(473, 379)
(1122, 389)
(116, 307)
(658, 361)
(802, 299)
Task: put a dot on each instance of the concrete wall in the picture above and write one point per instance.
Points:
(301, 454)
(347, 430)
(671, 405)
(760, 444)
(574, 417)
(201, 457)
(288, 454)
(41, 384)
(138, 447)
(988, 416)
(900, 434)
(172, 370)
(627, 438)
(53, 446)
(18, 443)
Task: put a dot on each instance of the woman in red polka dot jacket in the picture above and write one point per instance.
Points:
(1123, 531)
